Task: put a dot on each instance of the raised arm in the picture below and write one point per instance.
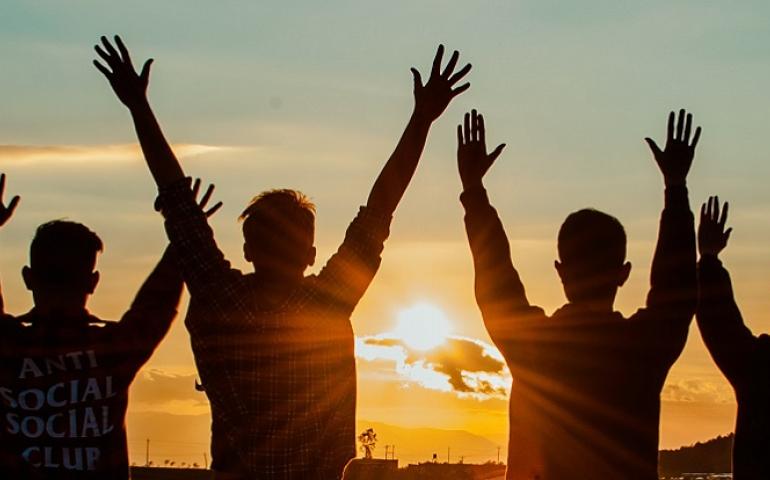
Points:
(499, 291)
(148, 320)
(673, 285)
(430, 101)
(729, 341)
(348, 273)
(202, 263)
(6, 212)
(131, 89)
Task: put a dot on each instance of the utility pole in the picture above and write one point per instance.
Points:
(387, 448)
(205, 461)
(447, 454)
(498, 455)
(147, 454)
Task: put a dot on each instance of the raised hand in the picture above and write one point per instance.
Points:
(432, 98)
(6, 211)
(473, 161)
(712, 236)
(205, 198)
(130, 87)
(676, 159)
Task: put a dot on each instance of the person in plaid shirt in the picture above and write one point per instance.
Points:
(274, 348)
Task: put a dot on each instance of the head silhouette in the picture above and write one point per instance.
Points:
(592, 257)
(279, 232)
(62, 259)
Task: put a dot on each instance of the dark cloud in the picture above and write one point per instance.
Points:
(467, 364)
(384, 342)
(157, 387)
(458, 355)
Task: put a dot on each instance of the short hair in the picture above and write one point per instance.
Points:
(63, 251)
(276, 207)
(592, 238)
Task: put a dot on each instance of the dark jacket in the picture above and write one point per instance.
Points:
(64, 384)
(745, 361)
(585, 399)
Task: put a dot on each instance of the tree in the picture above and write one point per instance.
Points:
(368, 440)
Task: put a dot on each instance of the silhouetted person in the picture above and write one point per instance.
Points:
(586, 381)
(741, 356)
(64, 373)
(274, 348)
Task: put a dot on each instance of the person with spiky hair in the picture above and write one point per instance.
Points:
(275, 348)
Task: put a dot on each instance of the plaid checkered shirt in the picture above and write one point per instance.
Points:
(281, 380)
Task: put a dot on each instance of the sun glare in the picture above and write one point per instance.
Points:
(422, 326)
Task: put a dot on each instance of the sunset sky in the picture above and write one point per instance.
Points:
(313, 95)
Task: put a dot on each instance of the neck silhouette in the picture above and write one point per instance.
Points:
(60, 308)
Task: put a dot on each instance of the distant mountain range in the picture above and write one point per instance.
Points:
(414, 445)
(186, 438)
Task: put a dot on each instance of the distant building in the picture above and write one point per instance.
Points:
(160, 473)
(452, 471)
(371, 469)
(706, 476)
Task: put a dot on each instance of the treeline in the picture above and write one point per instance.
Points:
(712, 456)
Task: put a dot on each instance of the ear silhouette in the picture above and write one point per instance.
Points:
(624, 273)
(247, 252)
(93, 281)
(558, 266)
(29, 277)
(311, 254)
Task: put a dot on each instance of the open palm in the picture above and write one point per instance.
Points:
(432, 98)
(6, 211)
(473, 161)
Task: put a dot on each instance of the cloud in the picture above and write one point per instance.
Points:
(383, 342)
(465, 366)
(696, 390)
(154, 390)
(33, 154)
(472, 368)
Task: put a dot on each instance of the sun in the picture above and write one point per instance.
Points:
(422, 326)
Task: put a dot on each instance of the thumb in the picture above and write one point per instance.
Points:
(417, 78)
(145, 75)
(14, 203)
(496, 153)
(211, 211)
(653, 146)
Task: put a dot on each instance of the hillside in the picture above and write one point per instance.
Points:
(712, 456)
(414, 445)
